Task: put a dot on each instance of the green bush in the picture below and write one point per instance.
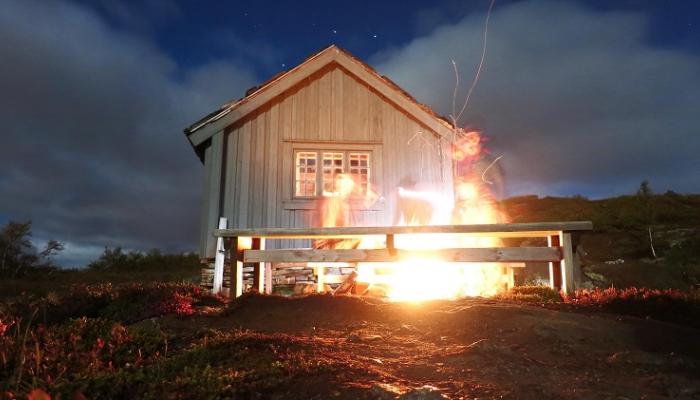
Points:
(532, 294)
(118, 260)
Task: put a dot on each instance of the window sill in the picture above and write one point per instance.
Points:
(313, 204)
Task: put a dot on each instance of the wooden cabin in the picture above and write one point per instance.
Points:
(268, 157)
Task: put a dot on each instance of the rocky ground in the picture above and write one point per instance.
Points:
(354, 348)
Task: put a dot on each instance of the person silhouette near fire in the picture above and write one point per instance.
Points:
(479, 181)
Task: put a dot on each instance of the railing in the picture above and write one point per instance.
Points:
(238, 246)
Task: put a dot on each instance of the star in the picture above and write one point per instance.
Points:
(374, 36)
(334, 31)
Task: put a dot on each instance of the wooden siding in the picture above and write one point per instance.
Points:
(214, 163)
(330, 109)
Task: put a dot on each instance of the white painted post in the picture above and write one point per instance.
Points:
(555, 268)
(567, 268)
(219, 260)
(268, 278)
(320, 278)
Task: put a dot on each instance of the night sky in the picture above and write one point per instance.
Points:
(580, 97)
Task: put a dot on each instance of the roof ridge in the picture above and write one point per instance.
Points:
(227, 107)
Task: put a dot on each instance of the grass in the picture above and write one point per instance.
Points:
(669, 305)
(531, 294)
(617, 213)
(102, 341)
(44, 281)
(621, 232)
(106, 341)
(88, 334)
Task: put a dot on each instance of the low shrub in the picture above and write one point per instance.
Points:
(82, 341)
(126, 303)
(532, 294)
(59, 357)
(237, 364)
(666, 305)
(135, 302)
(98, 358)
(670, 305)
(135, 261)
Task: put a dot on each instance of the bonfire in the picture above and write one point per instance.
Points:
(427, 278)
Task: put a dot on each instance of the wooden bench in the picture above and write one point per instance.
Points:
(238, 246)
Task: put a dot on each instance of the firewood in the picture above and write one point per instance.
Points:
(347, 286)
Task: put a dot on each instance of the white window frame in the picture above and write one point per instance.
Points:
(319, 168)
(374, 148)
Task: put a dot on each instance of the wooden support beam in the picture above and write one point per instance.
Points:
(539, 229)
(218, 281)
(268, 278)
(320, 278)
(492, 254)
(567, 264)
(390, 244)
(554, 266)
(390, 241)
(235, 248)
(259, 267)
(510, 275)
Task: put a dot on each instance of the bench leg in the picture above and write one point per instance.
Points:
(321, 278)
(258, 268)
(235, 250)
(220, 260)
(268, 278)
(554, 267)
(567, 266)
(510, 277)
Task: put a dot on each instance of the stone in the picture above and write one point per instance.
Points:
(383, 391)
(357, 338)
(637, 357)
(424, 393)
(304, 288)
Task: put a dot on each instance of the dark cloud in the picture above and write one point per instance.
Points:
(576, 99)
(92, 125)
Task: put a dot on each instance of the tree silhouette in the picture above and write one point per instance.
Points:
(17, 253)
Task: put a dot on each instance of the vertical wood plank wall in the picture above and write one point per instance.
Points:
(256, 173)
(212, 191)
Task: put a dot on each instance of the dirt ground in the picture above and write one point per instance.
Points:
(471, 348)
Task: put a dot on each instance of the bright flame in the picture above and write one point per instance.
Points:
(428, 278)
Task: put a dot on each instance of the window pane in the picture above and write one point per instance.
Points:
(361, 171)
(333, 164)
(305, 174)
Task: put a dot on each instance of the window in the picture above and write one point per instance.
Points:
(305, 176)
(310, 180)
(332, 167)
(359, 171)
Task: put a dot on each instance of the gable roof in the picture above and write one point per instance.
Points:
(256, 97)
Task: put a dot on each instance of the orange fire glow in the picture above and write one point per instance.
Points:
(430, 278)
